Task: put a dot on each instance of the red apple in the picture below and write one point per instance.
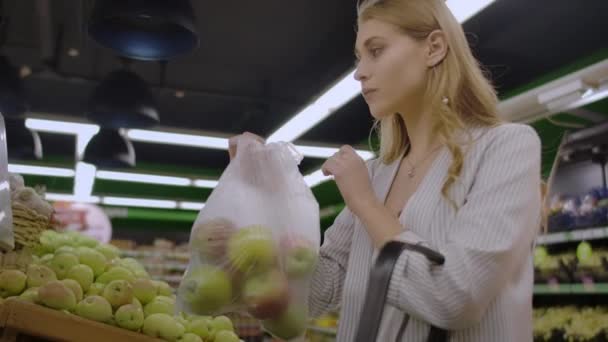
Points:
(210, 238)
(266, 295)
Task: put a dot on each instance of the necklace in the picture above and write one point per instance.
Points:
(411, 173)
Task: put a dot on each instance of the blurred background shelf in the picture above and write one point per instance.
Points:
(573, 236)
(571, 289)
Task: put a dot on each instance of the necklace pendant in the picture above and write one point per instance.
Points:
(411, 173)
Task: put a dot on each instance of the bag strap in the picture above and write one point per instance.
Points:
(380, 276)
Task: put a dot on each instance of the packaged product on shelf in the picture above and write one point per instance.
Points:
(553, 269)
(255, 243)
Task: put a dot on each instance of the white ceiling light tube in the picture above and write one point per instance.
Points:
(316, 178)
(205, 183)
(65, 127)
(84, 180)
(191, 205)
(143, 178)
(170, 138)
(139, 202)
(40, 170)
(337, 96)
(326, 152)
(53, 197)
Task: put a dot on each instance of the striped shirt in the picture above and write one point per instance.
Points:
(483, 292)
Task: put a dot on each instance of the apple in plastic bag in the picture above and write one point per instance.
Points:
(206, 289)
(12, 283)
(252, 249)
(266, 295)
(300, 257)
(95, 308)
(210, 239)
(290, 324)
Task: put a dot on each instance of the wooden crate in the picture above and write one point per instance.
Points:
(24, 322)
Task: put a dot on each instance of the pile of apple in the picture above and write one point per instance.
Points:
(249, 269)
(76, 274)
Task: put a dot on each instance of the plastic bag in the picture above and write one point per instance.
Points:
(255, 244)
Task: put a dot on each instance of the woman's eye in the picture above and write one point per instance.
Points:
(376, 52)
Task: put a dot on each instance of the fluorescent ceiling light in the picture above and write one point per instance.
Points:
(316, 178)
(326, 152)
(205, 183)
(177, 139)
(337, 96)
(84, 180)
(65, 127)
(465, 9)
(143, 178)
(70, 198)
(191, 205)
(40, 170)
(139, 202)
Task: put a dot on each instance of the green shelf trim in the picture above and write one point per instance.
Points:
(162, 215)
(571, 289)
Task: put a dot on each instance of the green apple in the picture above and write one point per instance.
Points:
(137, 303)
(226, 336)
(189, 337)
(62, 263)
(95, 308)
(145, 290)
(118, 293)
(116, 273)
(96, 289)
(266, 294)
(83, 274)
(252, 249)
(57, 295)
(38, 275)
(163, 326)
(75, 287)
(50, 240)
(12, 283)
(130, 317)
(300, 261)
(162, 288)
(164, 299)
(159, 306)
(210, 239)
(30, 295)
(109, 251)
(206, 289)
(200, 327)
(220, 323)
(290, 324)
(131, 264)
(65, 249)
(46, 259)
(92, 258)
(86, 241)
(182, 320)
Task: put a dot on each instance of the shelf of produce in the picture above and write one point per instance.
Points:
(21, 320)
(573, 236)
(571, 289)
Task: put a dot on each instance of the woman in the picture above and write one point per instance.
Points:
(450, 175)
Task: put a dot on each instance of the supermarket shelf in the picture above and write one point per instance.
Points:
(326, 331)
(571, 289)
(573, 236)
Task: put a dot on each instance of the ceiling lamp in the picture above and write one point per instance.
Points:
(145, 29)
(21, 142)
(110, 149)
(123, 100)
(12, 95)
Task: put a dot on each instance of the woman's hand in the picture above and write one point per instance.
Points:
(351, 176)
(233, 142)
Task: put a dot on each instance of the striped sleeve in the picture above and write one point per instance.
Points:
(488, 240)
(328, 279)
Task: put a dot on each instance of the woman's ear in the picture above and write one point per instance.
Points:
(437, 48)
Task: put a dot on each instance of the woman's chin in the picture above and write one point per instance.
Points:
(378, 113)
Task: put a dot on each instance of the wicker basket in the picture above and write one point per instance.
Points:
(28, 225)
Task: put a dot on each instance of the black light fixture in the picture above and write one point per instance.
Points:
(110, 149)
(12, 95)
(123, 100)
(21, 142)
(144, 29)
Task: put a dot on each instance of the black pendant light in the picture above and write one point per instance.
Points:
(144, 29)
(123, 100)
(20, 141)
(12, 95)
(110, 149)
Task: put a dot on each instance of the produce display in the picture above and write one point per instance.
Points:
(571, 324)
(573, 212)
(584, 264)
(76, 274)
(254, 245)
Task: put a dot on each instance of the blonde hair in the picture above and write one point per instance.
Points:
(471, 99)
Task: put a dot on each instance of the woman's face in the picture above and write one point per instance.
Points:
(391, 68)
